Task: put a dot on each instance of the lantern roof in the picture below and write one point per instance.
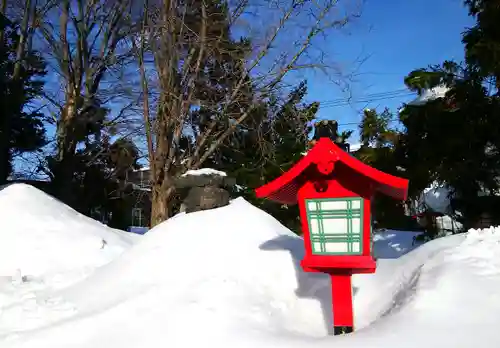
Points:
(284, 189)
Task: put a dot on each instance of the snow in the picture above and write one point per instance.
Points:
(437, 198)
(430, 94)
(355, 147)
(204, 171)
(392, 244)
(239, 188)
(231, 277)
(41, 236)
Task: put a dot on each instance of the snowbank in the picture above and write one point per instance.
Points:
(231, 277)
(42, 236)
(215, 272)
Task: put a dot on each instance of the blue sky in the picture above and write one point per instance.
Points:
(398, 36)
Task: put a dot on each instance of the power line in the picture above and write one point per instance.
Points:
(399, 93)
(379, 94)
(357, 123)
(367, 99)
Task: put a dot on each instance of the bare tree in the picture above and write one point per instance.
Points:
(192, 46)
(83, 46)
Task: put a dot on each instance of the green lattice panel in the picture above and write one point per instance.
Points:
(335, 225)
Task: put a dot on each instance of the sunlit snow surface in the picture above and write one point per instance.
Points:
(39, 235)
(204, 171)
(231, 277)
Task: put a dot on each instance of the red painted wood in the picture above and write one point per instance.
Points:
(284, 188)
(326, 263)
(343, 176)
(367, 223)
(342, 300)
(342, 183)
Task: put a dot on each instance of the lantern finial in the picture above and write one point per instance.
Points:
(329, 129)
(325, 129)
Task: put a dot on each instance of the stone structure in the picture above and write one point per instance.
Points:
(205, 191)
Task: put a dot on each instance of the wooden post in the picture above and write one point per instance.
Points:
(343, 317)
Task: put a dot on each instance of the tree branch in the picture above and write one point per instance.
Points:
(313, 32)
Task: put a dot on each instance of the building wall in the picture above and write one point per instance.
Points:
(141, 209)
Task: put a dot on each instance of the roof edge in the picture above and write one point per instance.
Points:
(391, 185)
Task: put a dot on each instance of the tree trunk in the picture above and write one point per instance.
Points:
(160, 203)
(161, 177)
(66, 145)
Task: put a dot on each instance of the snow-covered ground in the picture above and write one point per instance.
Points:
(41, 236)
(231, 277)
(391, 244)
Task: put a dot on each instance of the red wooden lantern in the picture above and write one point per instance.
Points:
(333, 190)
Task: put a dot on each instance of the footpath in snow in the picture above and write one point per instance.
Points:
(231, 277)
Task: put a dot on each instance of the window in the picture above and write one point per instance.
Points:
(138, 217)
(144, 179)
(335, 225)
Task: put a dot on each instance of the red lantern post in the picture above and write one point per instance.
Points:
(333, 190)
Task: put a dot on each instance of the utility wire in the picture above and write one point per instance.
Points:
(372, 95)
(357, 123)
(367, 99)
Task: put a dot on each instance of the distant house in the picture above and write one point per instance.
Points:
(141, 208)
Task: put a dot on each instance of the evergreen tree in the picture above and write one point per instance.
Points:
(272, 140)
(455, 139)
(21, 130)
(379, 149)
(103, 167)
(482, 41)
